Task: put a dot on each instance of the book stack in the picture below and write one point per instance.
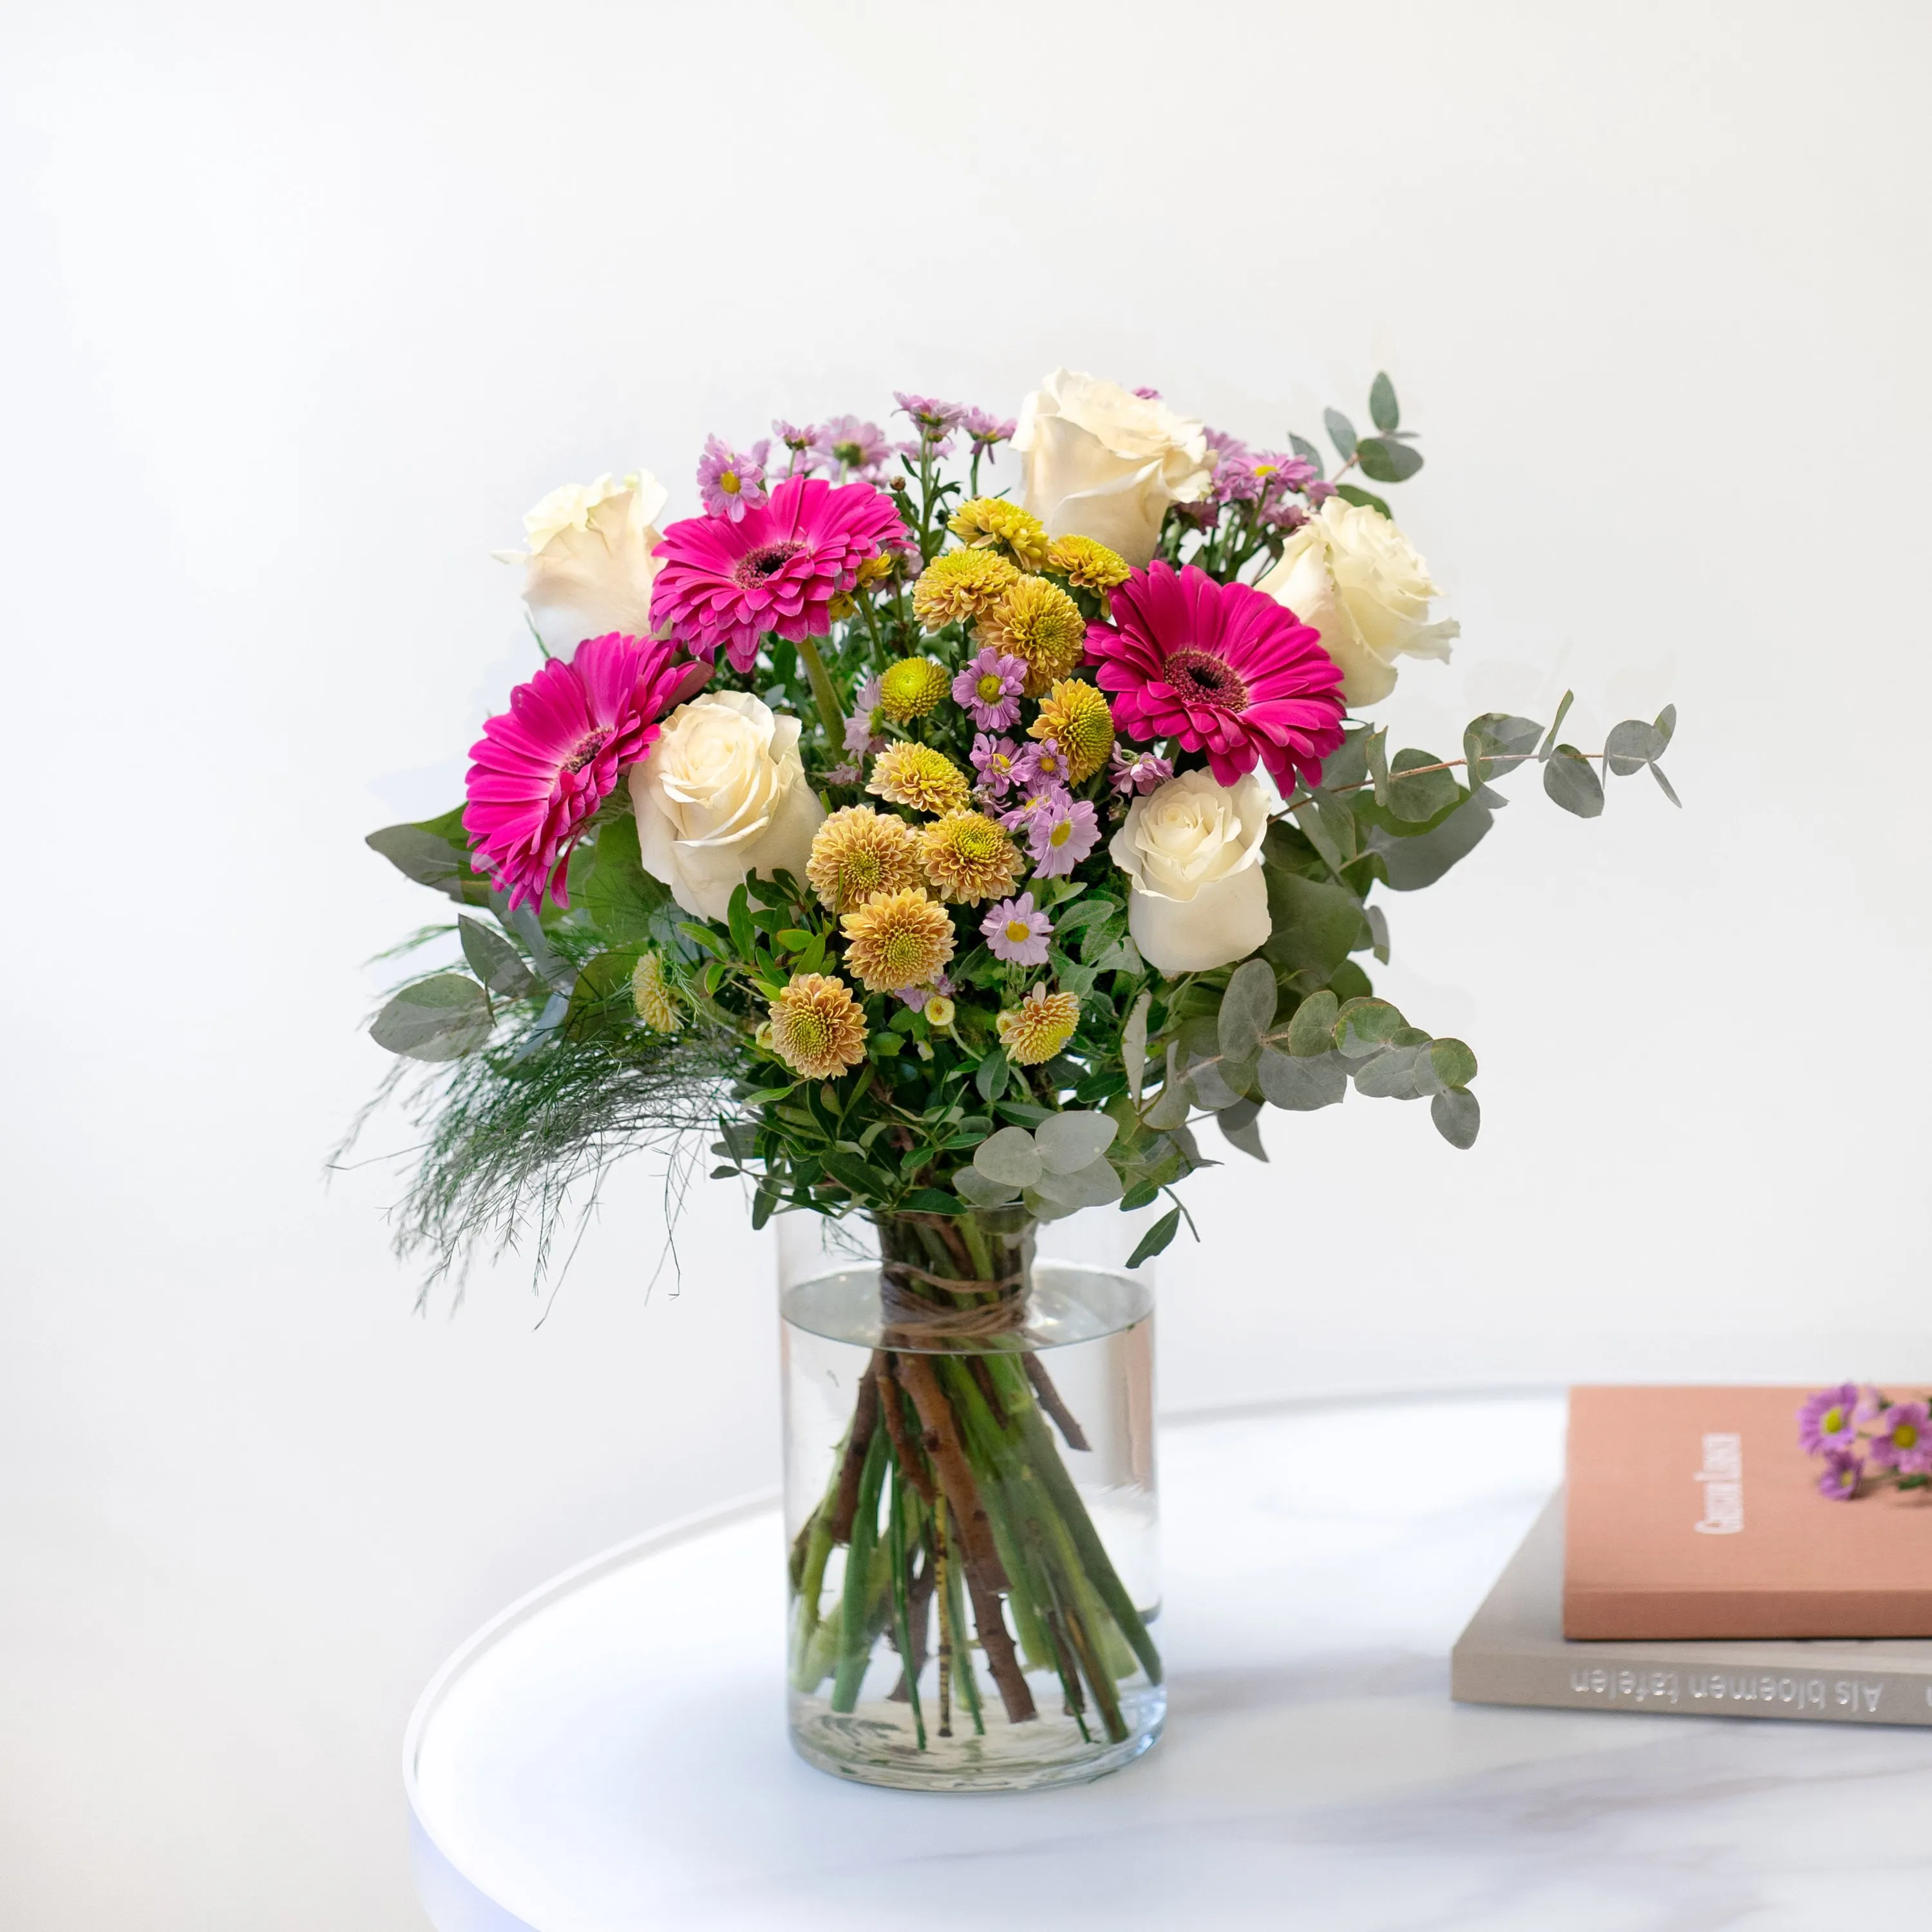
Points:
(1690, 1564)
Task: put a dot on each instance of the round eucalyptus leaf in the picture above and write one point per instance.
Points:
(1301, 1085)
(1457, 1117)
(1009, 1156)
(1092, 1185)
(1067, 1142)
(442, 1018)
(970, 1184)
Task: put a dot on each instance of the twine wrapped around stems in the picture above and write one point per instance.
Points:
(913, 1319)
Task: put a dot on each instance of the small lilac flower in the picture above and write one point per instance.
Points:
(849, 773)
(1227, 449)
(803, 443)
(1131, 771)
(1829, 1419)
(1234, 482)
(1148, 395)
(1282, 513)
(934, 418)
(1042, 801)
(1042, 762)
(1843, 1470)
(1902, 1442)
(1281, 472)
(915, 997)
(986, 429)
(1016, 932)
(731, 483)
(857, 448)
(1059, 838)
(1318, 492)
(990, 687)
(938, 450)
(859, 735)
(993, 760)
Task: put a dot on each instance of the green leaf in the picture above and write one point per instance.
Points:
(930, 1201)
(1341, 432)
(1315, 923)
(1667, 723)
(619, 896)
(1069, 1141)
(1378, 933)
(738, 916)
(1496, 735)
(1410, 864)
(1312, 1030)
(1307, 451)
(1457, 1117)
(494, 960)
(990, 1076)
(1301, 1085)
(1365, 1026)
(1631, 746)
(1665, 786)
(1556, 724)
(1009, 1156)
(1096, 1185)
(1247, 1006)
(434, 853)
(1382, 405)
(1365, 499)
(442, 1018)
(1133, 1046)
(981, 1190)
(792, 939)
(1388, 1076)
(1375, 750)
(703, 935)
(1238, 1129)
(1156, 1238)
(1348, 764)
(1385, 460)
(601, 1001)
(1415, 799)
(1455, 1065)
(1571, 780)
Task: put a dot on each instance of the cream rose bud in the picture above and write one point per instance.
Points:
(588, 569)
(1353, 575)
(1098, 461)
(720, 795)
(1192, 850)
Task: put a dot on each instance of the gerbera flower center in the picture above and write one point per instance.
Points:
(585, 749)
(757, 565)
(1200, 677)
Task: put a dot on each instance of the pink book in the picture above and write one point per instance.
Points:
(1693, 1513)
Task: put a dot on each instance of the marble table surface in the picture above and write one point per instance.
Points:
(610, 1755)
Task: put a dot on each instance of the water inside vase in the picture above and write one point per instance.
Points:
(1091, 1331)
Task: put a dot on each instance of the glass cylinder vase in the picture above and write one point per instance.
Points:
(970, 1500)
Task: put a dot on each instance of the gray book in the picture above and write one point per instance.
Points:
(1514, 1652)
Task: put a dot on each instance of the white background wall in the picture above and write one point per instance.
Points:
(304, 305)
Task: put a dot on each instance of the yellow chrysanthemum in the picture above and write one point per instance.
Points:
(1075, 716)
(969, 858)
(988, 521)
(656, 1004)
(874, 568)
(858, 852)
(1039, 1027)
(1037, 620)
(960, 585)
(1086, 563)
(897, 939)
(817, 1028)
(911, 688)
(917, 775)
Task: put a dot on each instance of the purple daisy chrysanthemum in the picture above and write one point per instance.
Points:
(723, 584)
(933, 417)
(856, 448)
(1829, 1419)
(1060, 837)
(1042, 762)
(729, 482)
(859, 735)
(1017, 932)
(986, 429)
(990, 688)
(801, 442)
(1843, 1472)
(1902, 1442)
(1041, 800)
(1131, 771)
(993, 760)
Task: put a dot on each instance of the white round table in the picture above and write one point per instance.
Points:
(609, 1755)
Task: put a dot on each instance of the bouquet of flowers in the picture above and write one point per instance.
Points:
(939, 842)
(1867, 1439)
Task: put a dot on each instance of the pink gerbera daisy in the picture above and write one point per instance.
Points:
(546, 764)
(777, 568)
(1222, 668)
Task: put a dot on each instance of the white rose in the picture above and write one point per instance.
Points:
(720, 795)
(1098, 461)
(588, 568)
(1192, 850)
(1352, 575)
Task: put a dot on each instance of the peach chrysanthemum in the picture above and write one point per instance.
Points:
(917, 775)
(651, 992)
(1038, 622)
(911, 688)
(817, 1028)
(989, 521)
(858, 852)
(959, 585)
(969, 858)
(1039, 1027)
(1075, 716)
(897, 939)
(1087, 565)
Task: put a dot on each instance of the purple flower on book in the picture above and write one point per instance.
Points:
(1903, 1442)
(1829, 1419)
(1843, 1470)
